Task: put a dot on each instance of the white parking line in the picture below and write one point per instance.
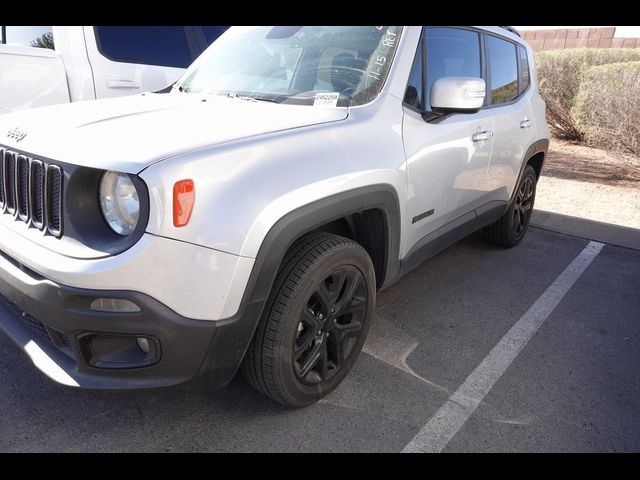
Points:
(447, 421)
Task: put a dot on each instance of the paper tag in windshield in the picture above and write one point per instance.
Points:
(327, 99)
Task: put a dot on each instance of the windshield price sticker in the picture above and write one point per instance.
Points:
(326, 99)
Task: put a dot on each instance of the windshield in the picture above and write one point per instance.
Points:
(333, 66)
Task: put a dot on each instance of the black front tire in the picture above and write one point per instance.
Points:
(509, 230)
(315, 321)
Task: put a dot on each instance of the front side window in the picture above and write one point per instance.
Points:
(162, 45)
(503, 70)
(451, 52)
(38, 37)
(296, 64)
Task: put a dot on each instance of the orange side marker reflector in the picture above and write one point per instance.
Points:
(184, 196)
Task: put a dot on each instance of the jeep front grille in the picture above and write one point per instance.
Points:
(10, 181)
(36, 193)
(53, 187)
(22, 187)
(31, 191)
(2, 197)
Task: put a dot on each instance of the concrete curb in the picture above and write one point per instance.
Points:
(588, 229)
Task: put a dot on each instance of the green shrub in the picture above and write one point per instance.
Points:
(607, 106)
(560, 73)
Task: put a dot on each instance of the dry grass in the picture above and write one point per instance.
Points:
(570, 161)
(560, 73)
(607, 104)
(590, 183)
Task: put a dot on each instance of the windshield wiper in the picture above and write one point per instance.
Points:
(251, 98)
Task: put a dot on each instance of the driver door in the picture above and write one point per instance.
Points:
(447, 158)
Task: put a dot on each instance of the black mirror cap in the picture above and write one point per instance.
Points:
(451, 111)
(437, 115)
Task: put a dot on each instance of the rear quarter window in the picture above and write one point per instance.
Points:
(525, 75)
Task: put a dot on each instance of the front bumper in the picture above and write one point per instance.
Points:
(193, 281)
(51, 323)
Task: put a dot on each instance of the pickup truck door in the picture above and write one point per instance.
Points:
(131, 60)
(32, 74)
(30, 77)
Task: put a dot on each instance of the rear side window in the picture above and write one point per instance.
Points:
(503, 70)
(524, 69)
(39, 37)
(163, 45)
(211, 33)
(451, 52)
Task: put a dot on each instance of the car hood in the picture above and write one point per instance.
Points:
(128, 134)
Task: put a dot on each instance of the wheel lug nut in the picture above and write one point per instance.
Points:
(320, 316)
(333, 309)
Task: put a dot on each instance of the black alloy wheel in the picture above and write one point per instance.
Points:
(330, 325)
(315, 321)
(510, 229)
(523, 206)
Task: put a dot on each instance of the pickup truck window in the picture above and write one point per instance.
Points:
(39, 37)
(295, 64)
(211, 33)
(148, 45)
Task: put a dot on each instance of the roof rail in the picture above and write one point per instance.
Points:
(512, 30)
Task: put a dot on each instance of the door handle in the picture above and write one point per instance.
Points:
(123, 84)
(482, 136)
(526, 123)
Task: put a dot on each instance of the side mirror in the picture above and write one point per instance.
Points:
(457, 95)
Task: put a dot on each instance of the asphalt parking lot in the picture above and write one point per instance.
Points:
(575, 386)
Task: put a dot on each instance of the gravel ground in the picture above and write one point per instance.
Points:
(590, 183)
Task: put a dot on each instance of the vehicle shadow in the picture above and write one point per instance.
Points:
(41, 416)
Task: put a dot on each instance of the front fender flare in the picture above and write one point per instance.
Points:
(233, 335)
(304, 219)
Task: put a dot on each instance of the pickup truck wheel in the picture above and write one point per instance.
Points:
(315, 321)
(510, 229)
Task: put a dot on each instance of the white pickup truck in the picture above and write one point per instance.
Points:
(49, 65)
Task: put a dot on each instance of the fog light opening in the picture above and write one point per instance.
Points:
(118, 351)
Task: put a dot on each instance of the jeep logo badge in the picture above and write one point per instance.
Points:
(16, 134)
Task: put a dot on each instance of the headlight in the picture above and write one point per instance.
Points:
(119, 202)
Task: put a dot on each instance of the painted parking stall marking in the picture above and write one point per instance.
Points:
(450, 418)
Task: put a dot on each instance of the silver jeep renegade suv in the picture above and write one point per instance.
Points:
(244, 217)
